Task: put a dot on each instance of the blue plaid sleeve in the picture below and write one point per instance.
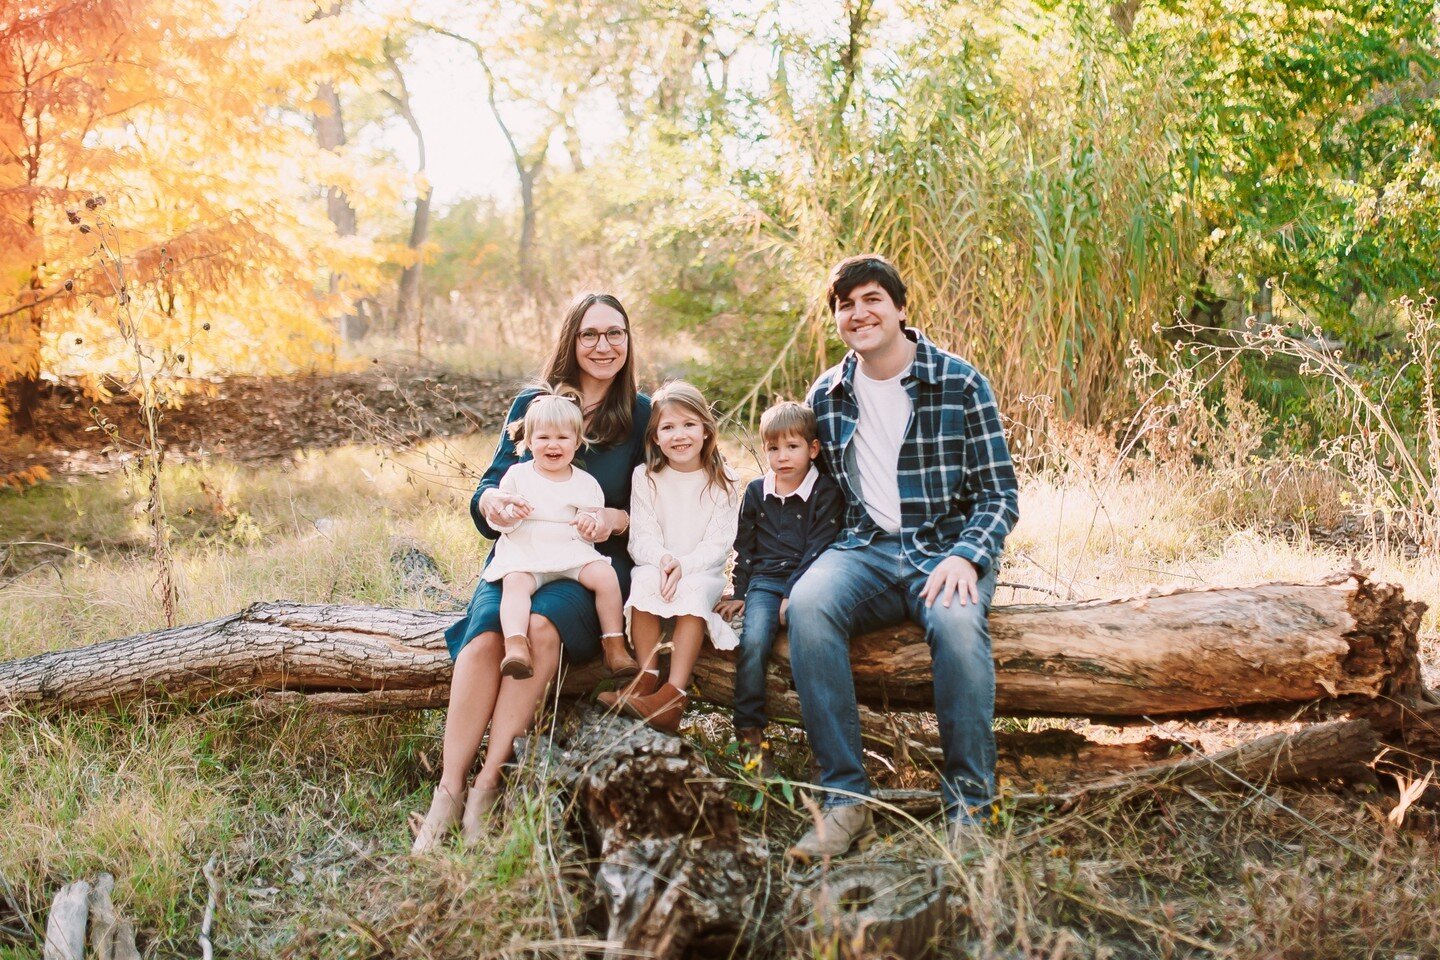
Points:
(989, 486)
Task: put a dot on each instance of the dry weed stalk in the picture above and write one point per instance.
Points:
(1395, 470)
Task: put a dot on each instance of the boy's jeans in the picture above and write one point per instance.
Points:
(762, 619)
(847, 592)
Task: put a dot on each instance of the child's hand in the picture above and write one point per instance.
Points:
(729, 608)
(590, 527)
(669, 577)
(784, 606)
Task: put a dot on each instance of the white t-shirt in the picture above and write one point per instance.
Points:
(885, 411)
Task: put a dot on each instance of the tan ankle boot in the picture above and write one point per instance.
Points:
(643, 684)
(661, 709)
(444, 811)
(517, 658)
(616, 656)
(840, 830)
(478, 805)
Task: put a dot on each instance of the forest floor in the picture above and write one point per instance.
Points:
(248, 419)
(306, 813)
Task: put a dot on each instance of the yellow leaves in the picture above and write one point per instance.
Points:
(217, 218)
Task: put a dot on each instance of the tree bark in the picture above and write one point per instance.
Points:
(1186, 652)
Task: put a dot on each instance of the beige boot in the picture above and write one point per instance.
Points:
(839, 829)
(965, 837)
(444, 811)
(517, 658)
(478, 805)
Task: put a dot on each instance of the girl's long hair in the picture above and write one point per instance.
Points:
(613, 419)
(678, 393)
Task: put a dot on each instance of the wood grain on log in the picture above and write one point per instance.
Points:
(1183, 652)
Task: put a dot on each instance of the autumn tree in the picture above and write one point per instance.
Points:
(187, 121)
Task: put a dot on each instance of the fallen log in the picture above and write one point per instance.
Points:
(1183, 652)
(1334, 752)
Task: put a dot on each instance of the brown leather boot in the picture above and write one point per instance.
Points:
(616, 656)
(661, 709)
(517, 658)
(754, 748)
(642, 685)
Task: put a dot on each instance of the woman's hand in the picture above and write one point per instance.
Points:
(669, 577)
(600, 525)
(502, 509)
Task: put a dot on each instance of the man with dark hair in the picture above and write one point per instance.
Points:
(913, 436)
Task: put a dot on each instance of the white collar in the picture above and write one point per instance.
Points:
(802, 491)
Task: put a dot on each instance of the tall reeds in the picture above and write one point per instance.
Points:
(1020, 175)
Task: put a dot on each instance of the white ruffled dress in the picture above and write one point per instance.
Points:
(676, 513)
(545, 541)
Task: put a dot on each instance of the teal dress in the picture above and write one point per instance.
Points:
(566, 604)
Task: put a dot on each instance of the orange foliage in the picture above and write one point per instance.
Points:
(161, 195)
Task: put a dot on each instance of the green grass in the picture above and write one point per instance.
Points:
(307, 813)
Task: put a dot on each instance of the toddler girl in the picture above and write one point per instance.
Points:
(542, 543)
(683, 509)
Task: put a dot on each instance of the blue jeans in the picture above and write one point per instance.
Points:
(762, 619)
(846, 592)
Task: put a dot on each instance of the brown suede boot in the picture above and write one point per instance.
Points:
(642, 685)
(754, 748)
(661, 709)
(616, 656)
(517, 658)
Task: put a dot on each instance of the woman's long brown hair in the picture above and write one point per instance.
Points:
(612, 421)
(678, 393)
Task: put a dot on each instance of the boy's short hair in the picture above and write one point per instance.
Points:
(852, 272)
(788, 417)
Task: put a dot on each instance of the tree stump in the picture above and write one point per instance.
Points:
(674, 872)
(888, 908)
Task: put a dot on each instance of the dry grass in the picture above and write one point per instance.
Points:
(307, 813)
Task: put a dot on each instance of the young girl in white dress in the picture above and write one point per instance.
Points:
(542, 543)
(684, 507)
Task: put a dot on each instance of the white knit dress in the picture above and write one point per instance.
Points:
(676, 513)
(545, 542)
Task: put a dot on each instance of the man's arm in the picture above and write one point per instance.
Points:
(989, 484)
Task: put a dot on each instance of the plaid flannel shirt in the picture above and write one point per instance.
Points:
(958, 495)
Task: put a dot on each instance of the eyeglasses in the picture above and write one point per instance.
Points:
(615, 336)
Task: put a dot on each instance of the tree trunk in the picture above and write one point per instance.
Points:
(407, 297)
(525, 252)
(1184, 652)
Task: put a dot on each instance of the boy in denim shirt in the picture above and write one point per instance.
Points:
(787, 519)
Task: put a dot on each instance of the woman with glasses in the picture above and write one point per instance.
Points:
(592, 355)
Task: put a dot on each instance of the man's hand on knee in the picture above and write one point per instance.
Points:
(955, 576)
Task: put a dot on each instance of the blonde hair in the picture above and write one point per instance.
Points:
(556, 406)
(788, 418)
(678, 393)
